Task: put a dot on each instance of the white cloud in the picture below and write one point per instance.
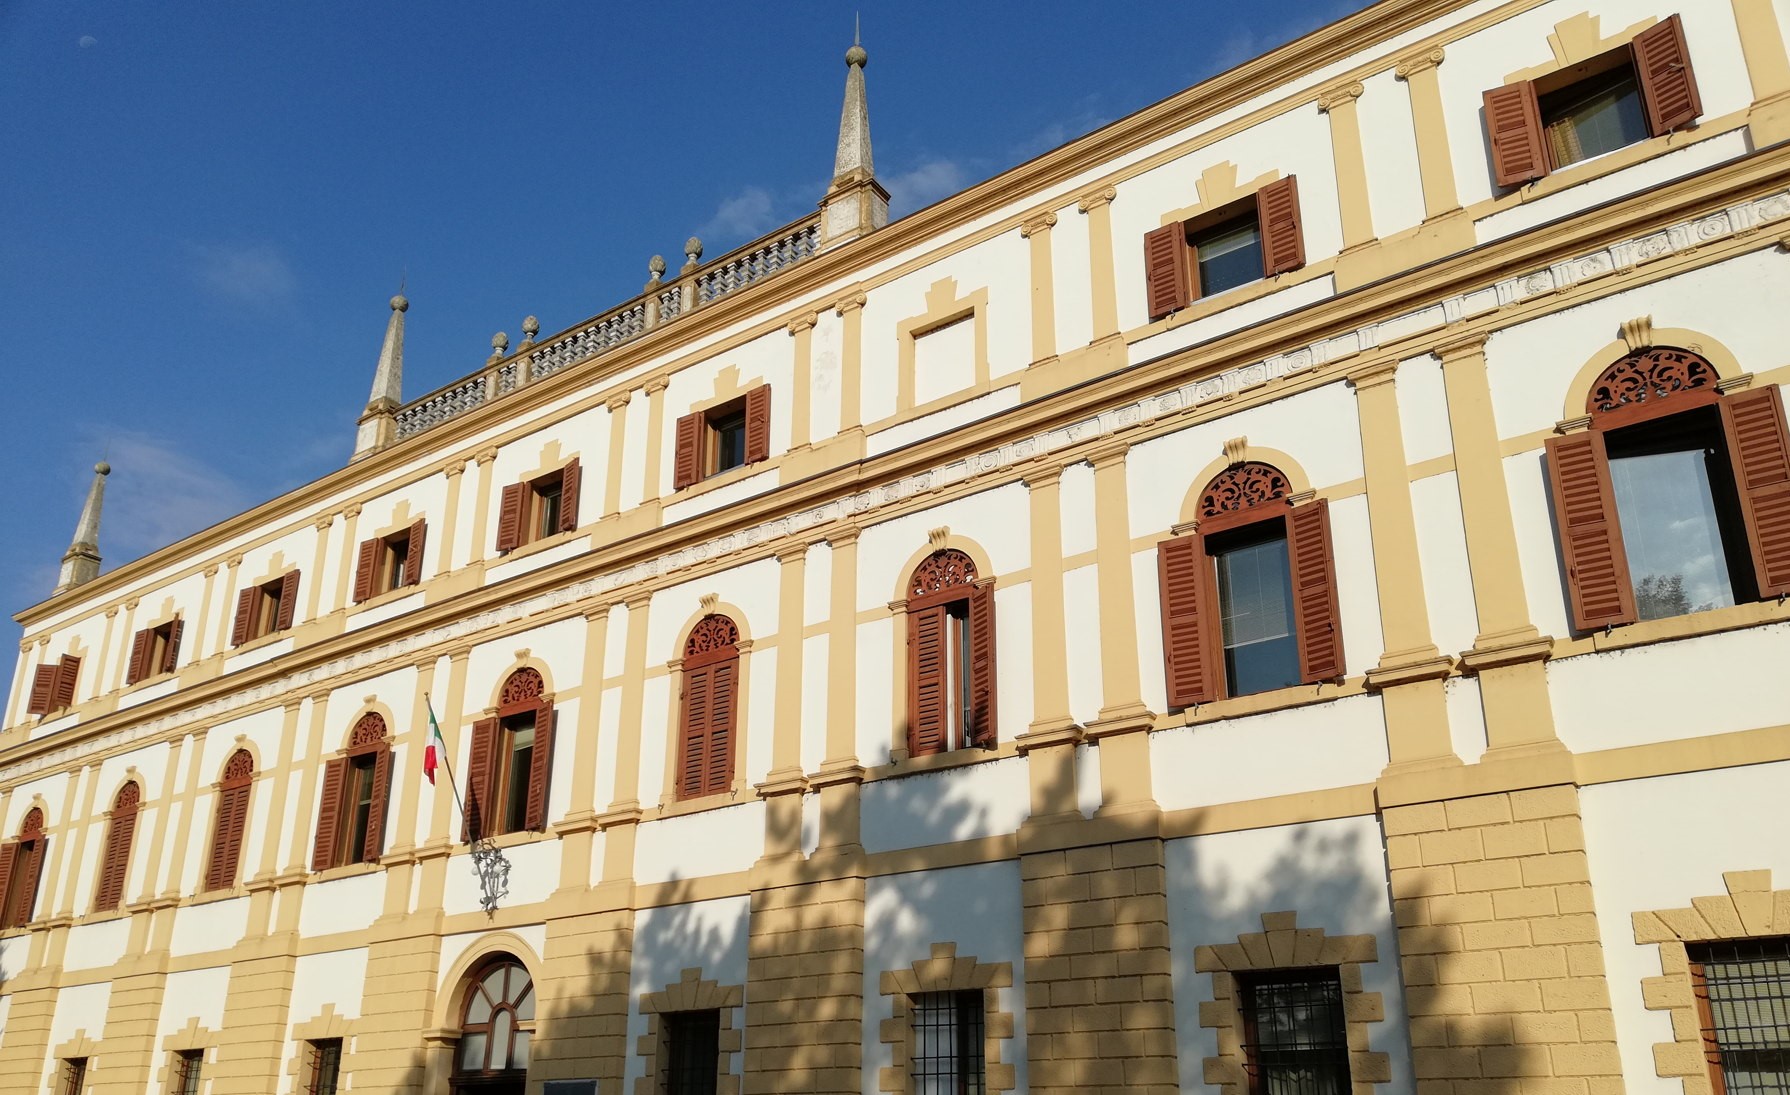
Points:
(255, 274)
(744, 216)
(157, 494)
(87, 41)
(922, 185)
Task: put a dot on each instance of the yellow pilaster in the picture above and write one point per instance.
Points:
(1104, 293)
(455, 471)
(581, 817)
(655, 436)
(801, 330)
(623, 815)
(1044, 293)
(618, 433)
(203, 617)
(350, 527)
(481, 512)
(1767, 66)
(1433, 163)
(850, 309)
(1351, 165)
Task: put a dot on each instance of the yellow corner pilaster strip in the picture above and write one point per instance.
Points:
(183, 843)
(344, 568)
(163, 803)
(842, 648)
(203, 619)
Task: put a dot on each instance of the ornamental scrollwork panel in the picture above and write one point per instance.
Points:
(523, 684)
(370, 730)
(942, 570)
(1242, 486)
(711, 633)
(1650, 374)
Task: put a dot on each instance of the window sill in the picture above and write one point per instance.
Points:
(937, 762)
(721, 479)
(256, 643)
(523, 552)
(502, 840)
(344, 870)
(212, 897)
(1280, 699)
(1673, 628)
(144, 682)
(1230, 298)
(102, 916)
(391, 595)
(1608, 164)
(674, 807)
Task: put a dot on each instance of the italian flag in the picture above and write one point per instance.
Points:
(437, 750)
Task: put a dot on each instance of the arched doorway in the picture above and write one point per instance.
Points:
(496, 1027)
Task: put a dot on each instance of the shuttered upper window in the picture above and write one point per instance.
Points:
(733, 434)
(356, 787)
(121, 829)
(1244, 241)
(1644, 89)
(1249, 596)
(538, 508)
(53, 686)
(265, 609)
(512, 761)
(385, 563)
(21, 870)
(154, 650)
(1677, 499)
(951, 662)
(709, 720)
(231, 822)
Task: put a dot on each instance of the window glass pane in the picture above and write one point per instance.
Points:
(519, 1050)
(396, 552)
(1229, 255)
(937, 1064)
(522, 743)
(1666, 505)
(549, 511)
(1255, 598)
(692, 1047)
(1598, 114)
(729, 439)
(525, 1007)
(472, 1051)
(361, 807)
(1749, 1007)
(479, 1010)
(957, 670)
(501, 1025)
(1298, 1042)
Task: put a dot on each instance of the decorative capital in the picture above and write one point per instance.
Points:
(323, 521)
(657, 384)
(803, 322)
(618, 403)
(1461, 346)
(351, 510)
(794, 553)
(849, 303)
(1341, 95)
(1042, 473)
(131, 605)
(111, 612)
(1421, 62)
(1374, 374)
(1038, 224)
(843, 536)
(486, 455)
(210, 571)
(454, 468)
(1637, 333)
(1109, 453)
(1096, 199)
(233, 561)
(597, 613)
(708, 601)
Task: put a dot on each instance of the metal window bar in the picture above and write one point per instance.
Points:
(1743, 990)
(693, 1052)
(947, 1057)
(74, 1076)
(326, 1067)
(1295, 1042)
(187, 1066)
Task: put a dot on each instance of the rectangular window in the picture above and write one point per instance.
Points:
(358, 804)
(392, 572)
(548, 494)
(1744, 1000)
(1679, 514)
(718, 439)
(1595, 115)
(517, 745)
(948, 1050)
(74, 1077)
(727, 437)
(188, 1064)
(323, 1070)
(1295, 1042)
(1229, 254)
(21, 885)
(267, 611)
(692, 1052)
(1255, 600)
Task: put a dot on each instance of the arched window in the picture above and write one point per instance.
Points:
(1249, 596)
(232, 821)
(496, 1026)
(116, 864)
(356, 786)
(1677, 499)
(21, 868)
(512, 758)
(950, 663)
(710, 719)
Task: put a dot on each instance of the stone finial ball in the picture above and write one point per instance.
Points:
(656, 266)
(500, 341)
(531, 326)
(399, 304)
(856, 56)
(693, 247)
(103, 468)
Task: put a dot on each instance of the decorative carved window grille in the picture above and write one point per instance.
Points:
(1295, 1042)
(1649, 375)
(1743, 1002)
(523, 684)
(1241, 486)
(948, 1054)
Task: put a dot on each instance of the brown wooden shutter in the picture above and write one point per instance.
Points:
(509, 517)
(983, 725)
(1663, 69)
(570, 478)
(1167, 265)
(1513, 128)
(1314, 592)
(686, 465)
(1759, 447)
(928, 706)
(758, 424)
(171, 653)
(110, 893)
(376, 809)
(1188, 667)
(226, 844)
(724, 715)
(1277, 216)
(478, 779)
(692, 759)
(288, 601)
(366, 568)
(540, 769)
(245, 616)
(413, 552)
(1590, 537)
(43, 689)
(68, 670)
(9, 862)
(329, 815)
(31, 876)
(141, 645)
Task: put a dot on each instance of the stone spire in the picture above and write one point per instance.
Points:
(81, 562)
(379, 423)
(856, 204)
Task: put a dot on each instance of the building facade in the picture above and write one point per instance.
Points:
(1283, 594)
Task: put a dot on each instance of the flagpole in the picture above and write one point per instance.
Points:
(435, 726)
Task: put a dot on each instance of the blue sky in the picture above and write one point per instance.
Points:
(204, 206)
